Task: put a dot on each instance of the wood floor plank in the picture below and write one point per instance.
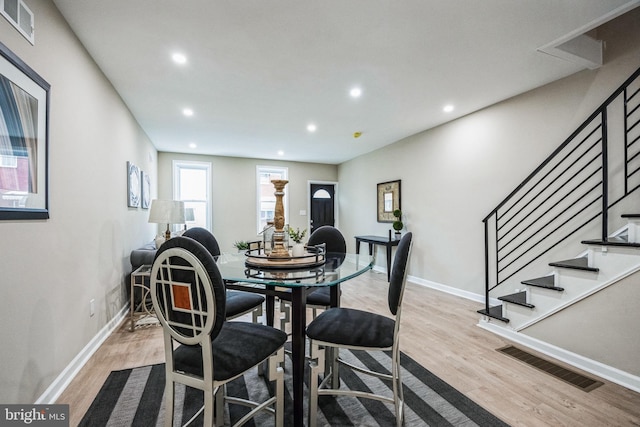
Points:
(440, 332)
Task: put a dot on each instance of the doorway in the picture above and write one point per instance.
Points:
(322, 205)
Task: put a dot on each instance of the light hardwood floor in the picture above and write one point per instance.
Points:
(439, 331)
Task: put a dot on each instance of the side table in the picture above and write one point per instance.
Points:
(141, 312)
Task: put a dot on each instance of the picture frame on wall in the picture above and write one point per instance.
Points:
(388, 200)
(24, 140)
(146, 190)
(133, 185)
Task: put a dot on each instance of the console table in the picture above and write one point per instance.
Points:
(142, 311)
(387, 242)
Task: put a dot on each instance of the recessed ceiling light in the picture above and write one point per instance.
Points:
(187, 112)
(311, 127)
(448, 108)
(280, 153)
(179, 58)
(192, 145)
(355, 92)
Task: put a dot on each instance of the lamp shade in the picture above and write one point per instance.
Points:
(166, 212)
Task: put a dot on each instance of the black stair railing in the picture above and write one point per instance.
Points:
(570, 190)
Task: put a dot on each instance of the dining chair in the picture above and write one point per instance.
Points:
(238, 302)
(202, 349)
(336, 246)
(355, 329)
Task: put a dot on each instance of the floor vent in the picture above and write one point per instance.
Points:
(570, 377)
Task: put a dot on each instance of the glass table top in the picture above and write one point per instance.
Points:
(336, 269)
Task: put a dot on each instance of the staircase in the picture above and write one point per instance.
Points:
(540, 254)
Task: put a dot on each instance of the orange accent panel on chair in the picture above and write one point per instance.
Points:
(181, 296)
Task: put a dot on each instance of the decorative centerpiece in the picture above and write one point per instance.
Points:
(297, 236)
(279, 250)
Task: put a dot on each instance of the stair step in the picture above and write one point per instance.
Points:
(613, 241)
(575, 264)
(632, 216)
(494, 312)
(519, 298)
(547, 282)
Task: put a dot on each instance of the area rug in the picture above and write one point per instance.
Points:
(134, 397)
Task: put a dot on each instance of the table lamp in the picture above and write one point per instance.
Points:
(167, 212)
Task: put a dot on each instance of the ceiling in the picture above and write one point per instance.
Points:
(259, 72)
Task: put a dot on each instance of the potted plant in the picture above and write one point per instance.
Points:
(297, 236)
(241, 245)
(397, 224)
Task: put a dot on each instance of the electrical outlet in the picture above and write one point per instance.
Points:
(92, 307)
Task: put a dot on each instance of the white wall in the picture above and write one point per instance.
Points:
(234, 192)
(454, 175)
(50, 269)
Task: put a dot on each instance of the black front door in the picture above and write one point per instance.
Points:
(322, 205)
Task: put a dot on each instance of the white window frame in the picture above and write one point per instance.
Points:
(285, 174)
(188, 164)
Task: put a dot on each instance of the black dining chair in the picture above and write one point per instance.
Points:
(202, 349)
(351, 328)
(238, 302)
(336, 246)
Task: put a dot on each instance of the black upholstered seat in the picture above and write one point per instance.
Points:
(238, 302)
(356, 329)
(189, 299)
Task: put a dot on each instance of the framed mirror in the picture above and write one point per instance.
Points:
(388, 200)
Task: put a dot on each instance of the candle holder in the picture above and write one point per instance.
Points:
(279, 250)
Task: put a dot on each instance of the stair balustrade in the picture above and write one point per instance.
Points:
(572, 192)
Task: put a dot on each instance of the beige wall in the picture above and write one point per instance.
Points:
(51, 269)
(454, 175)
(234, 192)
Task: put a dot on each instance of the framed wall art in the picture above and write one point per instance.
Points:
(388, 200)
(133, 185)
(24, 140)
(146, 190)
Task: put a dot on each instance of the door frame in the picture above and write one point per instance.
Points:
(335, 201)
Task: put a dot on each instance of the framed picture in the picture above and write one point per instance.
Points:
(146, 190)
(388, 200)
(133, 184)
(24, 140)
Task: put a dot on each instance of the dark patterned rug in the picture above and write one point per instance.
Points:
(134, 397)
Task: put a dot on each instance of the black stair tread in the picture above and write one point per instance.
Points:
(547, 282)
(631, 216)
(581, 263)
(519, 298)
(494, 312)
(612, 241)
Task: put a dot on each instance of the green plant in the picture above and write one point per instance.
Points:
(296, 235)
(242, 245)
(397, 224)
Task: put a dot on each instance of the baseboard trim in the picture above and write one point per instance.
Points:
(451, 290)
(53, 392)
(609, 373)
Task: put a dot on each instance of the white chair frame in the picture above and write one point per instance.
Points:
(214, 391)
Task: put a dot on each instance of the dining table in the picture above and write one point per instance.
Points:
(281, 280)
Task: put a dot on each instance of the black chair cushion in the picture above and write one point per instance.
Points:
(238, 347)
(239, 302)
(321, 296)
(348, 326)
(205, 238)
(331, 236)
(398, 271)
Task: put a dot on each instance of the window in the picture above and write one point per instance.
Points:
(192, 185)
(266, 200)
